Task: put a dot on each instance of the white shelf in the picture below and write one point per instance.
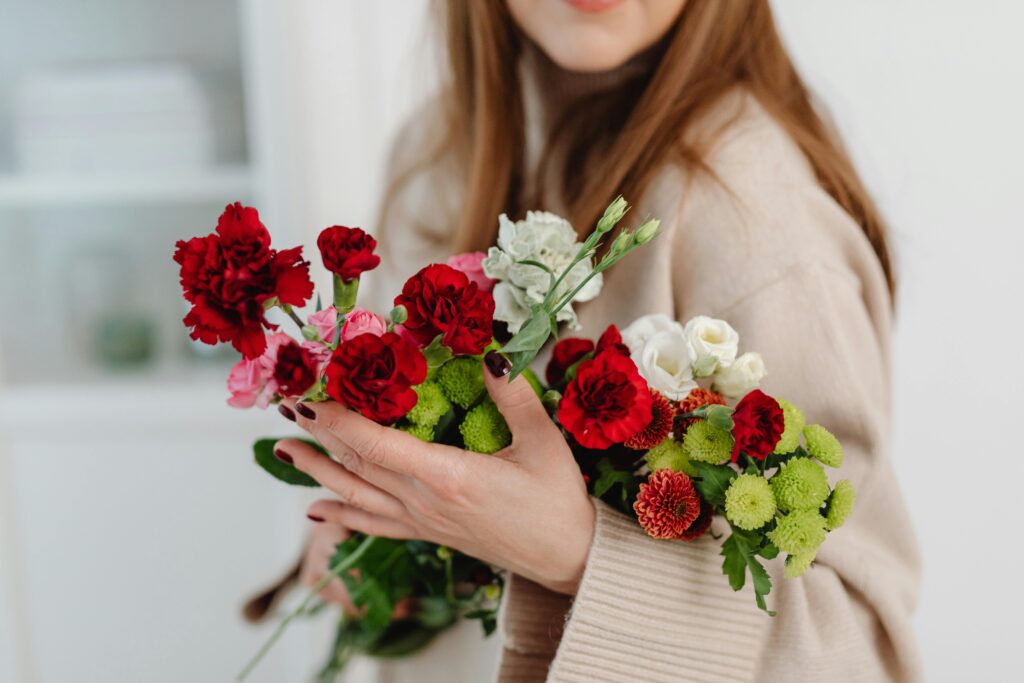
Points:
(224, 183)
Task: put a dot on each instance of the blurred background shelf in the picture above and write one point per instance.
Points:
(28, 191)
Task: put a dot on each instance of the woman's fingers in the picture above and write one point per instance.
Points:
(336, 512)
(349, 487)
(388, 448)
(517, 401)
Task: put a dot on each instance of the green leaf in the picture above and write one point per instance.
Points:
(531, 336)
(713, 481)
(436, 355)
(769, 551)
(720, 417)
(740, 557)
(263, 452)
(609, 477)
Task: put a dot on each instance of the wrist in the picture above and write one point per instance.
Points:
(572, 551)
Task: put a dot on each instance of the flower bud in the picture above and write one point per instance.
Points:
(399, 315)
(648, 231)
(443, 553)
(623, 242)
(612, 215)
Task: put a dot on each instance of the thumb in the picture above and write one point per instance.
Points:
(517, 401)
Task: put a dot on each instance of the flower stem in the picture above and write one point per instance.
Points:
(336, 571)
(291, 314)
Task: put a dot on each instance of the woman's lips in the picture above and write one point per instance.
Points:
(593, 5)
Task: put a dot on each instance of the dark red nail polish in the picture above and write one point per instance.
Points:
(305, 411)
(282, 456)
(497, 364)
(286, 411)
(315, 518)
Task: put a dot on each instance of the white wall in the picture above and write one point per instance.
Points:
(928, 94)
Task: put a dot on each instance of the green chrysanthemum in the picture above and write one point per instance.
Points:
(840, 504)
(823, 445)
(799, 533)
(669, 455)
(462, 380)
(421, 432)
(796, 565)
(749, 503)
(800, 484)
(705, 443)
(795, 422)
(484, 429)
(431, 405)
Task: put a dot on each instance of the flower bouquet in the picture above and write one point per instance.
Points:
(418, 369)
(645, 412)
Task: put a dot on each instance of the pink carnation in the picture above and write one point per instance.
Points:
(471, 263)
(360, 321)
(251, 381)
(324, 322)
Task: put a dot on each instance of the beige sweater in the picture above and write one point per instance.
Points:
(772, 253)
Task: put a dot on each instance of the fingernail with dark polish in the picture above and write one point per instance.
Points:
(498, 365)
(282, 456)
(305, 411)
(286, 411)
(315, 518)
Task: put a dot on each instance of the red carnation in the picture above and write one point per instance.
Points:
(295, 370)
(758, 424)
(229, 275)
(606, 403)
(667, 505)
(347, 252)
(610, 339)
(375, 375)
(442, 301)
(697, 398)
(662, 414)
(566, 353)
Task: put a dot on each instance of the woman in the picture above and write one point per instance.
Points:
(693, 111)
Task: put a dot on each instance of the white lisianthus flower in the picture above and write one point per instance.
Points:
(713, 344)
(743, 376)
(662, 356)
(545, 238)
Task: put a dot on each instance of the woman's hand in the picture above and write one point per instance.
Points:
(317, 560)
(524, 508)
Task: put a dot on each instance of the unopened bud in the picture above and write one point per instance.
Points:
(648, 231)
(612, 215)
(621, 243)
(444, 553)
(399, 315)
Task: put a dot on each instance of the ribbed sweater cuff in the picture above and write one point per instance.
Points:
(656, 611)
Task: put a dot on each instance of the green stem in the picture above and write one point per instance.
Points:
(336, 571)
(291, 314)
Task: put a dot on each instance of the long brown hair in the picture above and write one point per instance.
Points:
(714, 47)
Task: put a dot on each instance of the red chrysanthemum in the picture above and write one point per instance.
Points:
(701, 524)
(662, 414)
(667, 505)
(229, 275)
(440, 300)
(758, 424)
(606, 403)
(697, 398)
